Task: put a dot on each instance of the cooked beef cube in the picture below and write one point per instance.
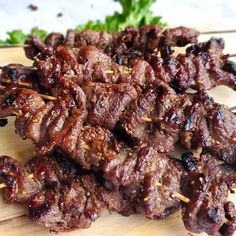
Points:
(156, 117)
(147, 178)
(226, 154)
(19, 101)
(19, 186)
(92, 38)
(106, 102)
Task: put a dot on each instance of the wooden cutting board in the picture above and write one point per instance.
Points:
(13, 221)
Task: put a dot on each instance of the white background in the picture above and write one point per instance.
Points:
(14, 14)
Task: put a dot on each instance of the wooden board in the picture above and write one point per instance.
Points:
(13, 221)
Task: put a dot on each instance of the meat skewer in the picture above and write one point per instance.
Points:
(180, 196)
(204, 60)
(119, 123)
(140, 112)
(87, 147)
(45, 170)
(219, 32)
(204, 32)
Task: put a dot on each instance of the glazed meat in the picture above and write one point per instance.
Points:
(203, 67)
(144, 39)
(106, 102)
(156, 117)
(211, 125)
(19, 187)
(104, 111)
(19, 101)
(142, 173)
(226, 154)
(208, 188)
(61, 196)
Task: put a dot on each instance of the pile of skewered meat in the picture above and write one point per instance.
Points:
(104, 112)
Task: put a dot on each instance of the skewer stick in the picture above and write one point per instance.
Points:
(219, 32)
(27, 67)
(180, 196)
(15, 46)
(47, 97)
(146, 119)
(8, 81)
(232, 108)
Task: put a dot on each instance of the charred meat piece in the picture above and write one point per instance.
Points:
(226, 154)
(133, 42)
(36, 45)
(74, 206)
(92, 38)
(94, 145)
(207, 187)
(106, 102)
(156, 117)
(130, 41)
(210, 125)
(61, 196)
(142, 174)
(61, 63)
(19, 186)
(141, 73)
(19, 101)
(17, 75)
(100, 67)
(201, 68)
(179, 36)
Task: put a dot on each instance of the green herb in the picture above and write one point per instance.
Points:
(134, 12)
(39, 32)
(14, 37)
(19, 37)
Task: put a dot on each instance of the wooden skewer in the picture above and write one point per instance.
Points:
(8, 81)
(180, 196)
(232, 108)
(87, 147)
(219, 32)
(15, 46)
(27, 67)
(47, 97)
(146, 119)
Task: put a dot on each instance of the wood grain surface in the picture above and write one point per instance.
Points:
(13, 221)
